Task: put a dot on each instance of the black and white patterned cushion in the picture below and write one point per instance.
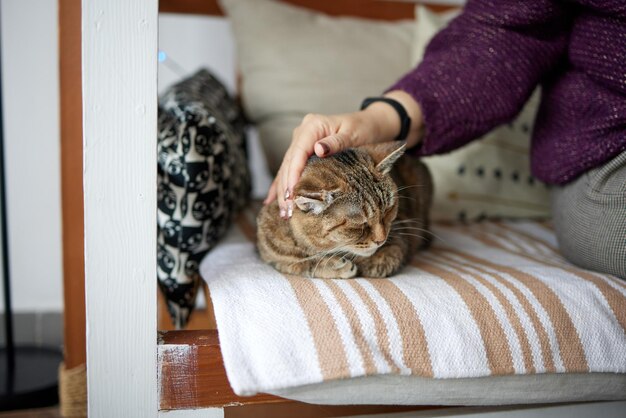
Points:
(203, 180)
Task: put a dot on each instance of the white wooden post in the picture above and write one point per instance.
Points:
(119, 58)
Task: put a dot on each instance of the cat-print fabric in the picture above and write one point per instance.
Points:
(203, 180)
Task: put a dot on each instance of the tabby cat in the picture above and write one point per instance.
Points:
(363, 211)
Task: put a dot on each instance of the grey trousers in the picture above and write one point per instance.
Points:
(590, 218)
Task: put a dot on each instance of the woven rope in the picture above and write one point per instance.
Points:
(73, 391)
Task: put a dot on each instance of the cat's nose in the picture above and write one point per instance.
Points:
(378, 234)
(379, 243)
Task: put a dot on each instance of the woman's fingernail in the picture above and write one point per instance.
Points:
(287, 194)
(325, 148)
(289, 210)
(282, 213)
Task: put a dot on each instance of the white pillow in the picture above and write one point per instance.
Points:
(489, 177)
(295, 61)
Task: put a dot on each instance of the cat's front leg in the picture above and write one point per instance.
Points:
(333, 267)
(383, 263)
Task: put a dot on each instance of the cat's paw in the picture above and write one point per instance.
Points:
(377, 270)
(346, 270)
(383, 263)
(339, 269)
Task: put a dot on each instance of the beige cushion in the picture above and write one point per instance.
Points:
(491, 299)
(294, 61)
(489, 177)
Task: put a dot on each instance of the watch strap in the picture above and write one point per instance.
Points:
(405, 120)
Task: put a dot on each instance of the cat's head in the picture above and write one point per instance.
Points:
(348, 201)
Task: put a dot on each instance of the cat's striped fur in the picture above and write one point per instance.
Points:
(363, 211)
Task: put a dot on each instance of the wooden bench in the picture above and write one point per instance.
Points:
(128, 373)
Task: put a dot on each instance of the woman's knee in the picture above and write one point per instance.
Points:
(591, 227)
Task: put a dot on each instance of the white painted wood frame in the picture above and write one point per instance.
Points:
(119, 60)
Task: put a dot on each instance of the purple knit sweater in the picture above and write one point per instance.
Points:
(479, 71)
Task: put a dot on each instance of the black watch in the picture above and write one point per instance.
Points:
(405, 120)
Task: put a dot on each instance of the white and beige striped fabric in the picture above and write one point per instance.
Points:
(488, 299)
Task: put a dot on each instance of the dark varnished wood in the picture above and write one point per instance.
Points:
(291, 409)
(192, 375)
(370, 9)
(361, 8)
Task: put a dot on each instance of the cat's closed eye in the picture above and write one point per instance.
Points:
(359, 229)
(337, 225)
(351, 231)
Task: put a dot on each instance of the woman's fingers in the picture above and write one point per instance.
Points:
(296, 166)
(332, 144)
(321, 149)
(317, 134)
(304, 137)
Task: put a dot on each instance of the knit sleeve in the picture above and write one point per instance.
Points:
(479, 71)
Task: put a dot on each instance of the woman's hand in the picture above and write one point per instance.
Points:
(326, 135)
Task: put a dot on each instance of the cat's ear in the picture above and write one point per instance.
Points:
(314, 202)
(386, 154)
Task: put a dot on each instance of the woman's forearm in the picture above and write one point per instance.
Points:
(479, 71)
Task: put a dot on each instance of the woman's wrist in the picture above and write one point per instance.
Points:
(384, 119)
(415, 113)
(387, 123)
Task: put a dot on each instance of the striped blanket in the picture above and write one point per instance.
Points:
(488, 299)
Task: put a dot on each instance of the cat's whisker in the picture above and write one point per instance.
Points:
(408, 228)
(404, 226)
(317, 265)
(402, 223)
(410, 235)
(408, 220)
(311, 257)
(323, 255)
(320, 254)
(410, 186)
(326, 260)
(332, 250)
(322, 258)
(403, 232)
(415, 228)
(341, 250)
(410, 225)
